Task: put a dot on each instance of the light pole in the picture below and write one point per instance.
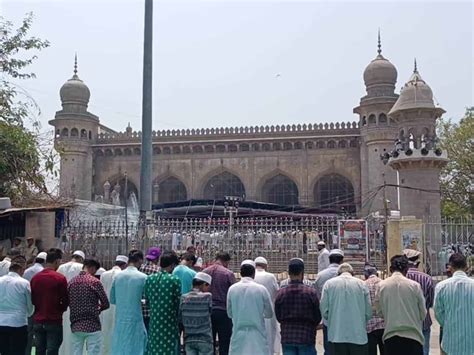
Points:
(231, 206)
(146, 158)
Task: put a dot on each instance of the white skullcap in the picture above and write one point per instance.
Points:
(122, 258)
(79, 253)
(261, 260)
(321, 243)
(336, 252)
(411, 253)
(248, 262)
(42, 255)
(100, 271)
(345, 267)
(199, 262)
(203, 277)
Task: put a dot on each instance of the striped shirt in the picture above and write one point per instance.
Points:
(454, 310)
(427, 286)
(195, 315)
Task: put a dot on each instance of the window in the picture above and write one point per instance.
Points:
(119, 188)
(342, 144)
(74, 132)
(171, 190)
(287, 146)
(220, 148)
(224, 184)
(209, 149)
(232, 148)
(166, 150)
(244, 147)
(383, 118)
(266, 147)
(83, 133)
(334, 192)
(280, 190)
(331, 144)
(197, 149)
(372, 119)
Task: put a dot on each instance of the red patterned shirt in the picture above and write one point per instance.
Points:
(375, 322)
(87, 298)
(297, 309)
(148, 268)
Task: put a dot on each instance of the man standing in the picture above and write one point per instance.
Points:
(5, 263)
(162, 295)
(454, 308)
(15, 307)
(297, 310)
(87, 299)
(31, 250)
(427, 286)
(268, 280)
(376, 325)
(28, 275)
(323, 256)
(50, 298)
(402, 306)
(345, 306)
(150, 267)
(70, 270)
(36, 267)
(222, 279)
(107, 317)
(336, 257)
(195, 315)
(185, 273)
(129, 335)
(248, 304)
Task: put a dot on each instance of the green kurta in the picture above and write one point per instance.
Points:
(162, 293)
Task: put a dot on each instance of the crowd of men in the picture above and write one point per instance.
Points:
(159, 303)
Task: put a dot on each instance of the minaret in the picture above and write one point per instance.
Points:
(416, 156)
(75, 131)
(378, 133)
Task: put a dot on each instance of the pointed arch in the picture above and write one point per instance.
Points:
(223, 184)
(125, 188)
(334, 192)
(170, 189)
(281, 190)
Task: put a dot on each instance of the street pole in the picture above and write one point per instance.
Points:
(126, 212)
(385, 228)
(146, 159)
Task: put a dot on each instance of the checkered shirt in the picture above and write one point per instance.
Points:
(148, 268)
(375, 322)
(297, 310)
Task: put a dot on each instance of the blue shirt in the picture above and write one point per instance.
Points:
(345, 305)
(454, 310)
(186, 275)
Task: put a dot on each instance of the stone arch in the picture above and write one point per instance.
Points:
(187, 149)
(353, 143)
(266, 147)
(166, 150)
(223, 184)
(197, 149)
(298, 145)
(277, 146)
(255, 147)
(280, 189)
(372, 119)
(170, 189)
(244, 147)
(74, 132)
(309, 145)
(220, 148)
(334, 192)
(137, 151)
(127, 191)
(232, 148)
(127, 151)
(331, 144)
(118, 151)
(176, 149)
(364, 121)
(287, 146)
(209, 148)
(342, 144)
(383, 119)
(320, 145)
(83, 133)
(156, 150)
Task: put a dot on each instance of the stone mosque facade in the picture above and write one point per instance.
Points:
(337, 167)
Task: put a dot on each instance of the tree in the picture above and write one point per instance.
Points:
(457, 178)
(25, 157)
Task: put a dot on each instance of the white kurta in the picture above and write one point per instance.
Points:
(107, 317)
(323, 259)
(248, 304)
(69, 270)
(268, 280)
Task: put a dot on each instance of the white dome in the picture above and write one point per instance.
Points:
(380, 71)
(74, 91)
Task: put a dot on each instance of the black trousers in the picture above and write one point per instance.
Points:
(375, 338)
(222, 327)
(348, 349)
(48, 338)
(398, 345)
(13, 340)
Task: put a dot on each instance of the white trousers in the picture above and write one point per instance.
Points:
(92, 341)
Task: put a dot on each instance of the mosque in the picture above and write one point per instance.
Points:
(388, 159)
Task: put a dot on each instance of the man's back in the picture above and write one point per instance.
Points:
(402, 305)
(345, 304)
(222, 279)
(323, 277)
(323, 259)
(195, 310)
(268, 280)
(454, 309)
(32, 271)
(70, 269)
(15, 296)
(427, 287)
(126, 293)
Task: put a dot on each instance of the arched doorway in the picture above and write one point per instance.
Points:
(223, 184)
(281, 190)
(334, 192)
(170, 190)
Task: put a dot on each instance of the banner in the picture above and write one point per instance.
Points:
(353, 239)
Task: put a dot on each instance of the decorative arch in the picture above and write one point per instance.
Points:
(281, 190)
(83, 133)
(334, 192)
(126, 191)
(65, 132)
(170, 189)
(223, 184)
(331, 144)
(74, 132)
(342, 144)
(372, 119)
(383, 118)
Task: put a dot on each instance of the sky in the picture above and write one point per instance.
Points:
(224, 63)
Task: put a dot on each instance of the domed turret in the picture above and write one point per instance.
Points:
(380, 76)
(415, 94)
(74, 93)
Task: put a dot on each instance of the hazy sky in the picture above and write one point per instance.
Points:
(216, 63)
